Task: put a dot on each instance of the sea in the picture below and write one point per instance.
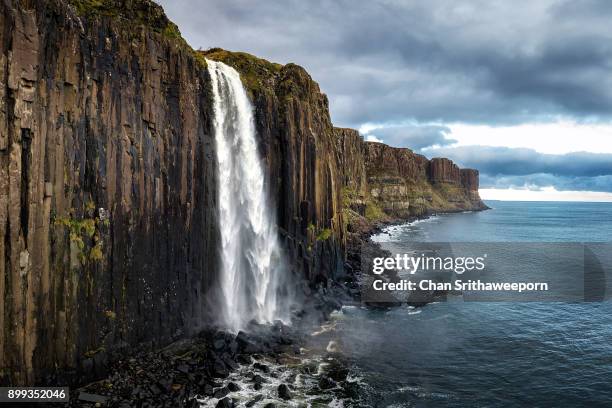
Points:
(486, 354)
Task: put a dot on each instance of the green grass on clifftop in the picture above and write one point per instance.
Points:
(133, 12)
(256, 73)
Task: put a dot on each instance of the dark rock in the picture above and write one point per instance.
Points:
(225, 403)
(243, 359)
(221, 392)
(193, 403)
(219, 344)
(258, 379)
(254, 401)
(219, 369)
(338, 374)
(261, 367)
(233, 387)
(155, 389)
(84, 396)
(229, 362)
(286, 340)
(183, 368)
(284, 392)
(208, 390)
(351, 389)
(326, 383)
(233, 347)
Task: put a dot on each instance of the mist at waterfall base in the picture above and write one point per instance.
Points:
(254, 285)
(486, 354)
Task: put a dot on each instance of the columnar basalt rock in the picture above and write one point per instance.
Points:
(390, 161)
(299, 144)
(443, 170)
(352, 156)
(106, 190)
(402, 184)
(469, 179)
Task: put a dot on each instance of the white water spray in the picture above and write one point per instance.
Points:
(250, 252)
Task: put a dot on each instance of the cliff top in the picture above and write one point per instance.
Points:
(260, 75)
(135, 12)
(255, 72)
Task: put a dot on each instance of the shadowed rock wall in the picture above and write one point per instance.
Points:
(299, 145)
(107, 190)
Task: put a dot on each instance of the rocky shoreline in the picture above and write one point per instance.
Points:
(200, 369)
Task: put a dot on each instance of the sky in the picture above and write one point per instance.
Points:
(521, 90)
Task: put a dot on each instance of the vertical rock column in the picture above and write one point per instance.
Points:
(24, 209)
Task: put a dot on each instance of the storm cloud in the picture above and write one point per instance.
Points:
(520, 161)
(503, 167)
(415, 136)
(441, 60)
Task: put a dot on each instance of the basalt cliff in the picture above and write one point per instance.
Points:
(108, 184)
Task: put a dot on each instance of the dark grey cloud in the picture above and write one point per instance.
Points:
(540, 181)
(520, 161)
(476, 61)
(414, 136)
(503, 167)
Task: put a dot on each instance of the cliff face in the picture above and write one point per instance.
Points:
(108, 182)
(399, 184)
(107, 188)
(298, 142)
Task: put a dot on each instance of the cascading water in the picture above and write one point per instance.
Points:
(250, 252)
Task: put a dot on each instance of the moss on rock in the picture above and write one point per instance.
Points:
(132, 12)
(257, 74)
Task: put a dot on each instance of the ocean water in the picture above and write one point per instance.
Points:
(493, 354)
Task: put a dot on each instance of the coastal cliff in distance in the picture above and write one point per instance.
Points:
(108, 191)
(384, 183)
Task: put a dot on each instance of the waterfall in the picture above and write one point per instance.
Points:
(250, 251)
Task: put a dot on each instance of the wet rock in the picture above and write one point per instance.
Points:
(326, 383)
(284, 392)
(233, 347)
(221, 392)
(229, 362)
(208, 390)
(258, 379)
(243, 359)
(219, 369)
(83, 396)
(233, 387)
(270, 405)
(219, 344)
(257, 386)
(338, 374)
(155, 389)
(254, 401)
(350, 389)
(286, 340)
(192, 403)
(261, 367)
(225, 403)
(183, 368)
